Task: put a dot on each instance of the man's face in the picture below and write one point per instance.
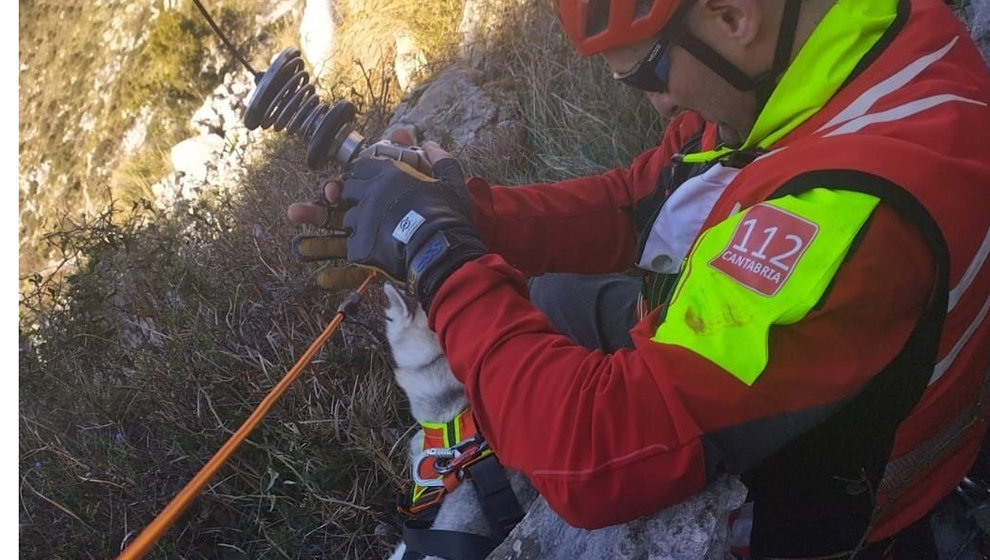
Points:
(693, 85)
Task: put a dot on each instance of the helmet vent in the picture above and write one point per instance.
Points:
(597, 21)
(643, 7)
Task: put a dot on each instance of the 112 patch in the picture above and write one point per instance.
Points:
(765, 248)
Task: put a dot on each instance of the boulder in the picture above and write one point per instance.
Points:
(317, 33)
(979, 26)
(461, 112)
(695, 529)
(220, 113)
(193, 158)
(217, 157)
(409, 60)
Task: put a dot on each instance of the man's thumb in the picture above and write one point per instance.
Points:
(445, 167)
(434, 152)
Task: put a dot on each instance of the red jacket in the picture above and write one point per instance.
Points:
(608, 438)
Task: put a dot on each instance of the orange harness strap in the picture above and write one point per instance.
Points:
(460, 436)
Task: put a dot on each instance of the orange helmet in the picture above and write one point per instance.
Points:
(599, 25)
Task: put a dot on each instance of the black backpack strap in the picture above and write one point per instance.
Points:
(453, 545)
(817, 493)
(498, 501)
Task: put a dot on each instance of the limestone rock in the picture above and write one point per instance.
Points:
(461, 112)
(217, 158)
(317, 33)
(135, 136)
(480, 20)
(693, 530)
(193, 157)
(409, 60)
(277, 11)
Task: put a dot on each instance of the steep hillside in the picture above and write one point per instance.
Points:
(169, 322)
(106, 87)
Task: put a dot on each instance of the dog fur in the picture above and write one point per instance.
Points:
(435, 395)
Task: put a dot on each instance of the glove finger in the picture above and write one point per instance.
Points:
(445, 166)
(332, 213)
(353, 191)
(350, 221)
(366, 168)
(313, 213)
(449, 171)
(405, 134)
(341, 277)
(309, 248)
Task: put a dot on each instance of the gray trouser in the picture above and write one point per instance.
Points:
(593, 311)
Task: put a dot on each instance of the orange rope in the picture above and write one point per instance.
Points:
(150, 535)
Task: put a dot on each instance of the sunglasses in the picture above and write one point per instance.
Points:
(651, 73)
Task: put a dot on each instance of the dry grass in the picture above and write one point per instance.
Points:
(578, 120)
(137, 365)
(154, 352)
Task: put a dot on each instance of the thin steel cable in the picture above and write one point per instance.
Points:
(150, 535)
(230, 46)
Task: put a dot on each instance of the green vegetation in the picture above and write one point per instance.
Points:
(87, 74)
(138, 366)
(170, 61)
(142, 354)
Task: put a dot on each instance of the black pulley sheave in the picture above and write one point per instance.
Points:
(284, 99)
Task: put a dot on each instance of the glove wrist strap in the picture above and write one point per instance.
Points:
(437, 259)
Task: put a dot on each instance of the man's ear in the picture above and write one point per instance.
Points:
(738, 21)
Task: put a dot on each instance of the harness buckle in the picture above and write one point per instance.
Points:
(438, 454)
(447, 460)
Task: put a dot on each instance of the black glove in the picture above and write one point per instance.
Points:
(415, 228)
(329, 249)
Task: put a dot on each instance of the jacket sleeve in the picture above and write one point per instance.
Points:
(580, 225)
(609, 438)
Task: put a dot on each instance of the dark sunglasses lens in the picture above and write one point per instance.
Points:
(646, 81)
(651, 75)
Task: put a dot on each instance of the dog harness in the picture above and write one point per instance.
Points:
(453, 452)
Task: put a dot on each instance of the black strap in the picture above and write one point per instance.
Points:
(498, 501)
(501, 509)
(763, 84)
(788, 32)
(453, 545)
(816, 495)
(782, 52)
(712, 59)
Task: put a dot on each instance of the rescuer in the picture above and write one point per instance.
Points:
(813, 231)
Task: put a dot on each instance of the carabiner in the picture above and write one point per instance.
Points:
(438, 454)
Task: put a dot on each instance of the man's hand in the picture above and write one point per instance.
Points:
(330, 248)
(448, 204)
(416, 229)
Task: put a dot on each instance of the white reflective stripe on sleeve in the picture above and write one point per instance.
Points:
(865, 102)
(900, 112)
(946, 363)
(971, 271)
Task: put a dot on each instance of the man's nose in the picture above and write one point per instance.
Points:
(663, 103)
